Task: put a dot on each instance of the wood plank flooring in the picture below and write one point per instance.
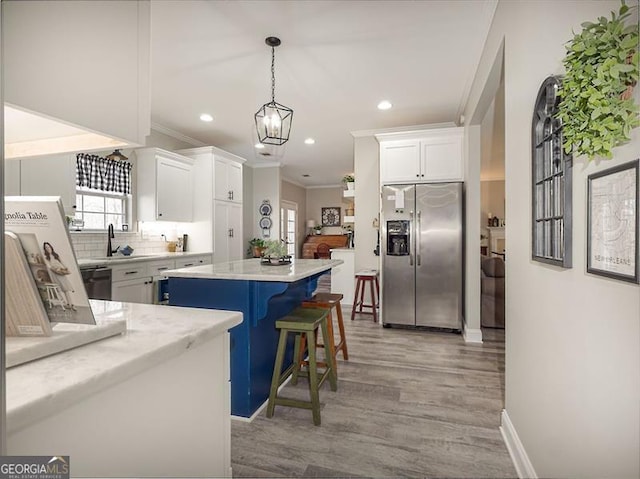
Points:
(409, 404)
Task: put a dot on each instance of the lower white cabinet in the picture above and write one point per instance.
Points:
(343, 275)
(193, 261)
(133, 291)
(227, 232)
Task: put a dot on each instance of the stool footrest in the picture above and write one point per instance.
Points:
(280, 401)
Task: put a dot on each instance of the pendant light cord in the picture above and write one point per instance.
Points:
(273, 75)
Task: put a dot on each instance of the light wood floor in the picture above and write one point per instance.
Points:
(409, 404)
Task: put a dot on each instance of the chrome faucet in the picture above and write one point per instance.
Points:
(109, 236)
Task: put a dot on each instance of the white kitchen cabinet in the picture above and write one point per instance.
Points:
(227, 232)
(85, 63)
(165, 186)
(193, 261)
(12, 178)
(132, 282)
(400, 161)
(138, 290)
(421, 156)
(343, 275)
(217, 213)
(227, 176)
(50, 176)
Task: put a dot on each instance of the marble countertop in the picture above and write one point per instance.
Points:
(252, 270)
(154, 334)
(120, 259)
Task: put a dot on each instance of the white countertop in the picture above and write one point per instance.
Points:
(252, 270)
(154, 334)
(342, 250)
(121, 259)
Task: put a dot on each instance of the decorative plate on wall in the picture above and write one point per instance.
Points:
(331, 216)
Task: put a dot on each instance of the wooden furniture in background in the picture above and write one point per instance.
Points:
(311, 243)
(323, 251)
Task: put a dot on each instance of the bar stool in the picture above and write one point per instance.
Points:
(362, 278)
(302, 321)
(328, 301)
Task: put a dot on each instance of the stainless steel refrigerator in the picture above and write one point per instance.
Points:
(422, 255)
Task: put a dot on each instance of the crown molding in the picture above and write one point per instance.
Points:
(293, 182)
(402, 129)
(176, 134)
(318, 187)
(264, 164)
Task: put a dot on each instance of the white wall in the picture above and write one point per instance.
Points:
(572, 339)
(318, 198)
(266, 186)
(367, 202)
(491, 200)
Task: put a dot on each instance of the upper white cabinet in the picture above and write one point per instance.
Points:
(50, 176)
(421, 156)
(85, 63)
(217, 213)
(165, 186)
(12, 178)
(228, 179)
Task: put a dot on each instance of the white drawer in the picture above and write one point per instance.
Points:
(129, 271)
(193, 261)
(157, 268)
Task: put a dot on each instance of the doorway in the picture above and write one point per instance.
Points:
(288, 225)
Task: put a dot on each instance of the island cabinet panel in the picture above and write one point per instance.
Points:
(254, 342)
(85, 63)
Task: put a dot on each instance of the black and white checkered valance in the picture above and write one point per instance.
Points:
(93, 171)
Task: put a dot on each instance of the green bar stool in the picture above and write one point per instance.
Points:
(302, 321)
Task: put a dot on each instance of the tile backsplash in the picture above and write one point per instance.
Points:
(90, 245)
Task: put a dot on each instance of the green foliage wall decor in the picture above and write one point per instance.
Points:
(597, 109)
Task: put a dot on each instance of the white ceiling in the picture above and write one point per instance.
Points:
(337, 60)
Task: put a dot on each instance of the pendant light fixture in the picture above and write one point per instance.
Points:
(273, 120)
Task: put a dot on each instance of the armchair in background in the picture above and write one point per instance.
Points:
(492, 284)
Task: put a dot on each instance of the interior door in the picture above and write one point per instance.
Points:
(398, 266)
(439, 255)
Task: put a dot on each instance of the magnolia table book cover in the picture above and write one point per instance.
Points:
(40, 224)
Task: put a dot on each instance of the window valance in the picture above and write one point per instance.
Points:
(93, 171)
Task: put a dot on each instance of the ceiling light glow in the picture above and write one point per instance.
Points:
(309, 141)
(384, 105)
(259, 146)
(206, 117)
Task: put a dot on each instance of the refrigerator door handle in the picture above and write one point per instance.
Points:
(419, 230)
(411, 240)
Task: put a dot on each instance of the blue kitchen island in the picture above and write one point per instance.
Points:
(263, 293)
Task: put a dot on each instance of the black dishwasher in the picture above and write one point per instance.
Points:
(97, 281)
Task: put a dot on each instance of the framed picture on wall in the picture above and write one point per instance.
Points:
(331, 216)
(612, 222)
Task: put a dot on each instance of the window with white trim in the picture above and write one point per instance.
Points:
(97, 209)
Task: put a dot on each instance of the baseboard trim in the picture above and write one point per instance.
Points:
(259, 410)
(472, 335)
(519, 456)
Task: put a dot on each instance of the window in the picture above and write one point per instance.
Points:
(288, 214)
(98, 209)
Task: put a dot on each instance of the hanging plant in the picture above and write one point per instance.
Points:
(597, 108)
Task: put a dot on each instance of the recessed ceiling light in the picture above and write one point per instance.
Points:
(206, 117)
(309, 141)
(384, 105)
(259, 146)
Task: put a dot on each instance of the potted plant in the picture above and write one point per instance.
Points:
(275, 252)
(256, 247)
(597, 110)
(317, 229)
(349, 181)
